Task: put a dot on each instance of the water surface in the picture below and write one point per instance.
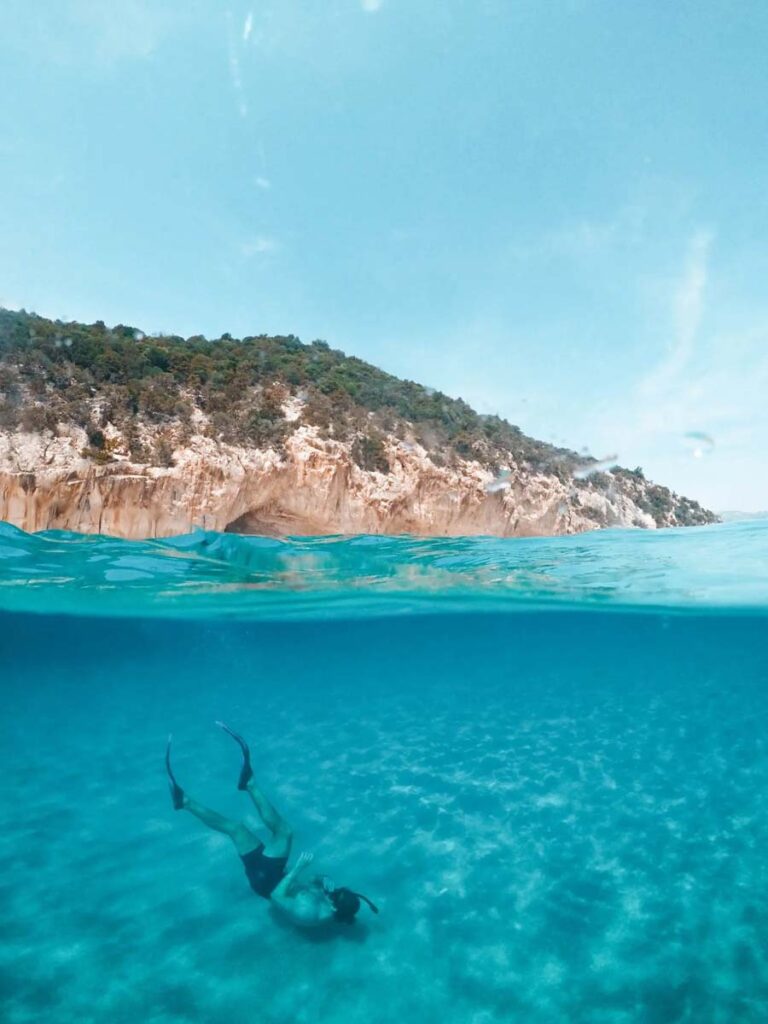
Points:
(552, 779)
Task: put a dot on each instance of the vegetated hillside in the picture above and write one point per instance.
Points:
(142, 398)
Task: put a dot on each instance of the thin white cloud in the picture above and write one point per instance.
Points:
(669, 394)
(371, 6)
(688, 308)
(667, 400)
(584, 239)
(90, 32)
(258, 245)
(708, 381)
(135, 33)
(248, 26)
(263, 183)
(235, 75)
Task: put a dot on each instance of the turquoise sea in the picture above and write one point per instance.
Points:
(545, 760)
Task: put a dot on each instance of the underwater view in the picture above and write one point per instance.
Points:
(544, 761)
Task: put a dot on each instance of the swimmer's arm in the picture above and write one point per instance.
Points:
(306, 910)
(282, 890)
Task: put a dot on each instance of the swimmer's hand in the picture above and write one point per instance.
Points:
(304, 908)
(288, 882)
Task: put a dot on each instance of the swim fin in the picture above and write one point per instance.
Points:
(177, 793)
(246, 772)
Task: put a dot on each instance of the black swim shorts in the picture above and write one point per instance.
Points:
(264, 873)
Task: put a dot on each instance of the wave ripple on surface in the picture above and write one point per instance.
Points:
(230, 576)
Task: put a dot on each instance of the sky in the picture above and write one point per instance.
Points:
(554, 210)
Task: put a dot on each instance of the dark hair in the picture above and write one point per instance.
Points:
(347, 904)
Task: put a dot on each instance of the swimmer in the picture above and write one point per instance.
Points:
(307, 902)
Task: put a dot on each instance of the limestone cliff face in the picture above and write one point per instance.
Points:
(314, 486)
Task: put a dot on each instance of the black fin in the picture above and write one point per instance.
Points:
(177, 793)
(246, 772)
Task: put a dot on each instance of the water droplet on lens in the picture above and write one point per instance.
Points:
(698, 443)
(500, 483)
(588, 469)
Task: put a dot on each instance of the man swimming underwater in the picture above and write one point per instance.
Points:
(306, 903)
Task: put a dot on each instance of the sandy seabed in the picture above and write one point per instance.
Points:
(562, 818)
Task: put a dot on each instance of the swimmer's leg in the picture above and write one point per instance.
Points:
(242, 837)
(282, 833)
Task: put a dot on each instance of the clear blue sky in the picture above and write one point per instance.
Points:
(556, 209)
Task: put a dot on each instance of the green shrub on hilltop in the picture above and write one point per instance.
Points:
(159, 378)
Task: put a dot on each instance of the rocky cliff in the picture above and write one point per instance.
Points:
(105, 431)
(313, 487)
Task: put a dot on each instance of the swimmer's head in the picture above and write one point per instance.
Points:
(347, 903)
